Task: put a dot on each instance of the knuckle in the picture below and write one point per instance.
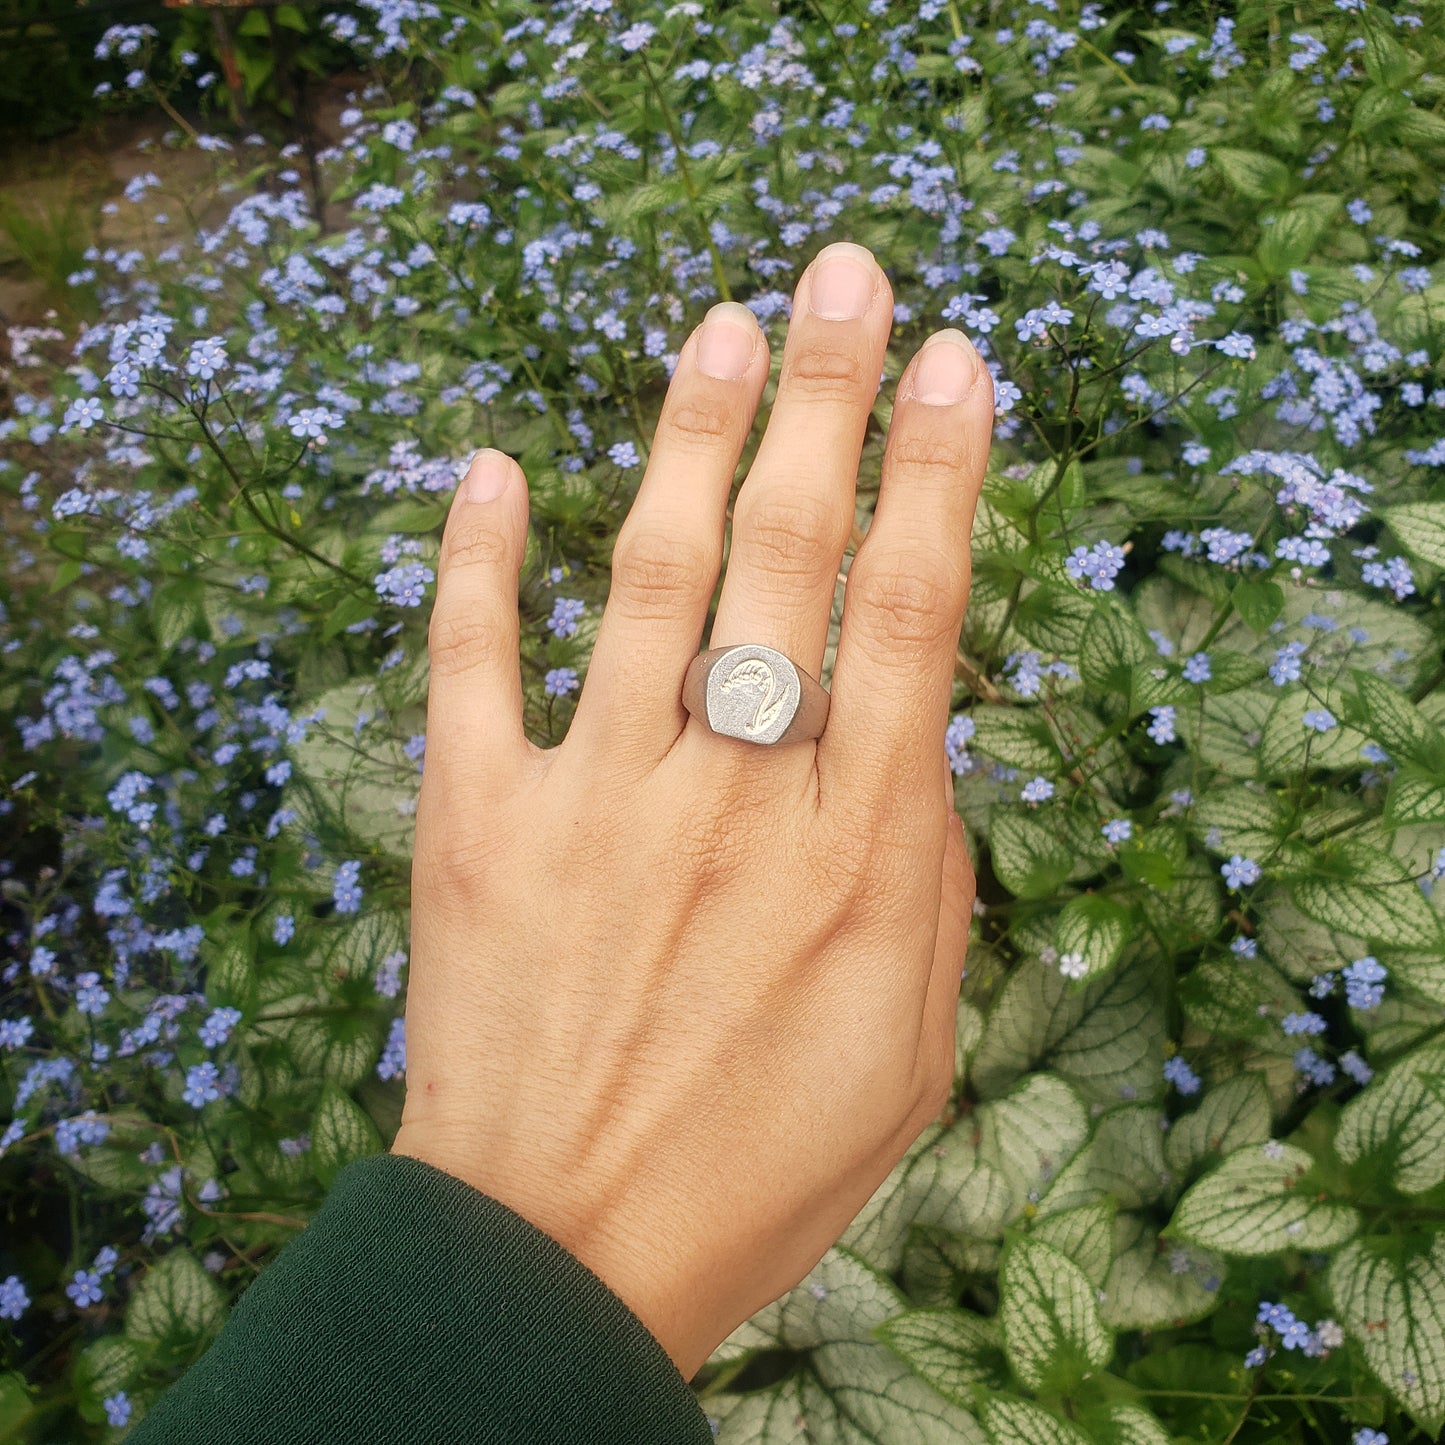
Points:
(699, 422)
(653, 571)
(454, 864)
(794, 535)
(932, 1090)
(908, 600)
(846, 867)
(824, 372)
(458, 643)
(474, 547)
(939, 1094)
(944, 454)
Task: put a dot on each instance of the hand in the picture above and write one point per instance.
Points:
(680, 1000)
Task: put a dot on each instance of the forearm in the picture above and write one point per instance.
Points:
(416, 1309)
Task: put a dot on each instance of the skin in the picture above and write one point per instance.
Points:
(679, 1000)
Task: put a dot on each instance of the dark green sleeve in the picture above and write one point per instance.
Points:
(413, 1310)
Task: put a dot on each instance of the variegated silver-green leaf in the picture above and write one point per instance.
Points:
(1288, 747)
(371, 787)
(1157, 1284)
(950, 1348)
(341, 1132)
(1052, 1332)
(1240, 819)
(1390, 1295)
(1106, 1039)
(935, 1264)
(1251, 1205)
(849, 1393)
(1123, 1161)
(176, 1304)
(941, 1181)
(1085, 1234)
(842, 1298)
(1028, 1136)
(1230, 1115)
(1021, 1422)
(1391, 915)
(1120, 1424)
(1397, 1125)
(1092, 929)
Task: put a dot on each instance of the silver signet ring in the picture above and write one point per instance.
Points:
(754, 693)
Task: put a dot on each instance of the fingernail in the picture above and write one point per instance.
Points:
(842, 283)
(726, 342)
(488, 475)
(946, 369)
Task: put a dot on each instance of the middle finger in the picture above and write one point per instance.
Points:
(794, 513)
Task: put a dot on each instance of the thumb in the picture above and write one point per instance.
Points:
(955, 918)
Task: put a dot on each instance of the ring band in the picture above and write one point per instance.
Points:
(756, 694)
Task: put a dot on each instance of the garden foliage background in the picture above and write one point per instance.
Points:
(1193, 1183)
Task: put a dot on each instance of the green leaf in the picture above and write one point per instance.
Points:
(1420, 526)
(1053, 616)
(1030, 1135)
(1251, 1205)
(1378, 111)
(1021, 1422)
(1246, 820)
(1289, 748)
(112, 1363)
(65, 574)
(176, 608)
(1105, 1039)
(1287, 239)
(1112, 644)
(1029, 857)
(342, 1131)
(1258, 602)
(176, 1305)
(16, 1407)
(937, 1263)
(851, 1394)
(1415, 797)
(1122, 1424)
(1256, 177)
(1422, 129)
(1123, 1161)
(1390, 1296)
(1396, 1127)
(1157, 1284)
(1052, 1333)
(1095, 928)
(1399, 726)
(1387, 915)
(1230, 1116)
(1387, 62)
(1017, 736)
(1142, 865)
(951, 1349)
(1085, 1234)
(1230, 671)
(841, 1298)
(1238, 999)
(940, 1182)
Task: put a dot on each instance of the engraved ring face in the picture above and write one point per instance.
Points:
(752, 693)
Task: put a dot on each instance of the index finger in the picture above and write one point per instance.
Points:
(908, 586)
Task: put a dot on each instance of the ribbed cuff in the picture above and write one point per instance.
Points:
(414, 1308)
